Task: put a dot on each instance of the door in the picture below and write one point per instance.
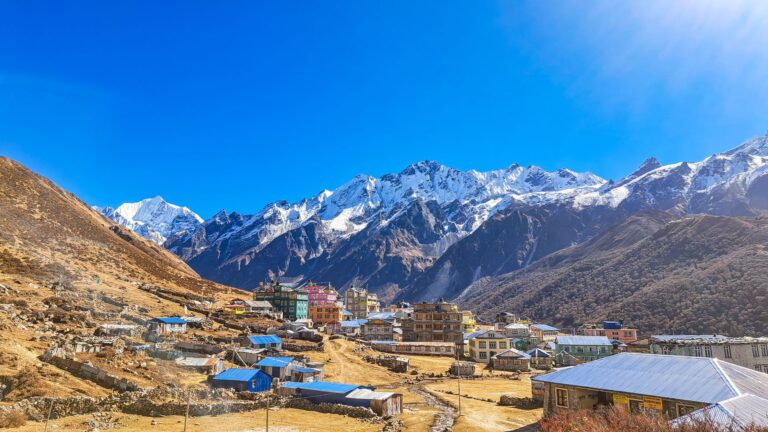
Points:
(635, 406)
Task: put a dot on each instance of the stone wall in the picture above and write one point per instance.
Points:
(345, 410)
(91, 373)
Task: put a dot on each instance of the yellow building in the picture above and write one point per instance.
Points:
(326, 314)
(485, 344)
(468, 321)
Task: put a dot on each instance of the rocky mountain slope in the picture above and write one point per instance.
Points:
(696, 274)
(430, 231)
(153, 218)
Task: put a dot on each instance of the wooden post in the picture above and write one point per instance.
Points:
(50, 411)
(186, 416)
(267, 413)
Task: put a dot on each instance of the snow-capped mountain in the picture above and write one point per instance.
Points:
(153, 218)
(431, 230)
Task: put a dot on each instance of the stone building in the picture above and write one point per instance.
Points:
(438, 322)
(750, 352)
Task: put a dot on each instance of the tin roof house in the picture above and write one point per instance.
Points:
(250, 380)
(167, 325)
(382, 403)
(742, 413)
(277, 367)
(672, 385)
(572, 350)
(263, 341)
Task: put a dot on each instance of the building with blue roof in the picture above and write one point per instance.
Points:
(250, 380)
(540, 359)
(382, 403)
(167, 325)
(666, 384)
(277, 367)
(542, 333)
(264, 341)
(352, 327)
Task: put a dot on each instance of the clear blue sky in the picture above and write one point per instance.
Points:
(236, 104)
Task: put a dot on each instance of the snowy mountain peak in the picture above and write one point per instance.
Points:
(153, 218)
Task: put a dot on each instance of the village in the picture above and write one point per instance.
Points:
(263, 359)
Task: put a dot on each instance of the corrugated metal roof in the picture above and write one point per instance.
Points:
(275, 361)
(322, 386)
(259, 304)
(544, 327)
(513, 353)
(170, 320)
(583, 340)
(696, 379)
(265, 339)
(237, 374)
(381, 315)
(737, 413)
(353, 323)
(670, 338)
(305, 370)
(537, 353)
(364, 393)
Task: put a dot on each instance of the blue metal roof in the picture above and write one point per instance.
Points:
(346, 313)
(696, 379)
(537, 353)
(353, 323)
(305, 370)
(237, 374)
(545, 327)
(275, 361)
(322, 386)
(265, 339)
(170, 320)
(583, 340)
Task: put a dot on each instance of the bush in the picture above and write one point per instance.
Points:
(13, 419)
(620, 420)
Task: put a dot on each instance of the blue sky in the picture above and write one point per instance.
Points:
(236, 104)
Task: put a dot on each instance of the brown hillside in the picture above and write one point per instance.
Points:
(702, 274)
(60, 261)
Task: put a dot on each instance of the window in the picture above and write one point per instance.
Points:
(561, 397)
(602, 350)
(482, 345)
(567, 349)
(502, 345)
(580, 349)
(707, 351)
(697, 351)
(683, 409)
(755, 351)
(727, 351)
(483, 355)
(492, 345)
(665, 350)
(764, 350)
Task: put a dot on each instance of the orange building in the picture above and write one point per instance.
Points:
(326, 314)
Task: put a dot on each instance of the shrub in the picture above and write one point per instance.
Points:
(13, 419)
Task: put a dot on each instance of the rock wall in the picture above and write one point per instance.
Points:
(91, 373)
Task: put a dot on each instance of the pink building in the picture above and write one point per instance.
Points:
(321, 295)
(612, 330)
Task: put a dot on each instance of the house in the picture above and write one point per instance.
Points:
(263, 341)
(543, 333)
(613, 330)
(326, 313)
(540, 359)
(460, 368)
(582, 348)
(511, 360)
(669, 385)
(206, 365)
(379, 326)
(739, 414)
(416, 348)
(514, 330)
(292, 302)
(235, 307)
(277, 367)
(118, 330)
(351, 328)
(167, 325)
(382, 403)
(484, 344)
(750, 352)
(250, 380)
(360, 302)
(321, 294)
(434, 322)
(261, 307)
(306, 374)
(505, 318)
